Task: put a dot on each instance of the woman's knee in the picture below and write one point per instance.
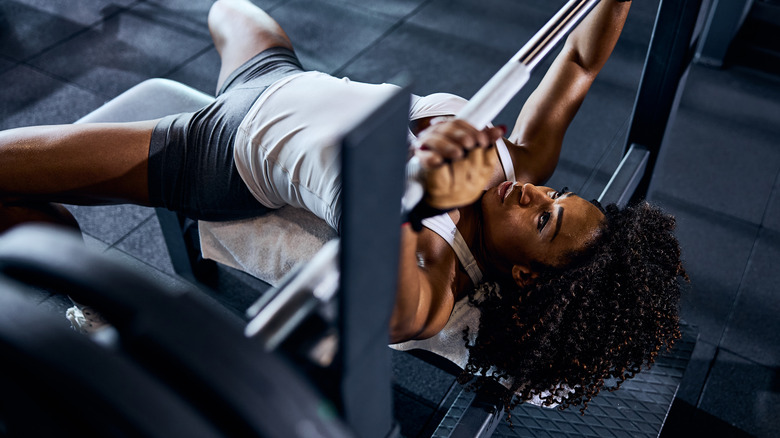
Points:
(239, 25)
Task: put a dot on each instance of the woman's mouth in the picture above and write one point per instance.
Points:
(504, 189)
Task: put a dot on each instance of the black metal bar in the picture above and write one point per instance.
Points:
(171, 226)
(371, 160)
(662, 80)
(621, 187)
(723, 22)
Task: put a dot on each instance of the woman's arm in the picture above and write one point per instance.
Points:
(423, 301)
(457, 163)
(535, 141)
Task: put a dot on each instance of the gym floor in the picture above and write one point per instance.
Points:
(719, 172)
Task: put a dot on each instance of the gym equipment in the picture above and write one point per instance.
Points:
(181, 366)
(56, 382)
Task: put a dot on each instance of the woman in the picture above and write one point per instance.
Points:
(576, 293)
(269, 139)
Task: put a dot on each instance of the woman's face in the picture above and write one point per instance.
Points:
(525, 223)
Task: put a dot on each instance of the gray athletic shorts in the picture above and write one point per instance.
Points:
(191, 167)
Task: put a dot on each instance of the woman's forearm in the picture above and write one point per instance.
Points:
(538, 133)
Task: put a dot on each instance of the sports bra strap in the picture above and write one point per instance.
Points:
(445, 227)
(506, 160)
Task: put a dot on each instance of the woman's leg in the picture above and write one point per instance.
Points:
(88, 164)
(240, 31)
(92, 164)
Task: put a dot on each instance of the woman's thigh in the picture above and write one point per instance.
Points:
(81, 164)
(191, 166)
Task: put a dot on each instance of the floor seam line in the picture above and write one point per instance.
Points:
(393, 28)
(132, 230)
(739, 291)
(749, 261)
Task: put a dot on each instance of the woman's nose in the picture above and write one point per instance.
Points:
(531, 195)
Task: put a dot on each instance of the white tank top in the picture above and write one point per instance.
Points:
(287, 148)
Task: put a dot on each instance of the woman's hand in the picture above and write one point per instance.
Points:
(458, 161)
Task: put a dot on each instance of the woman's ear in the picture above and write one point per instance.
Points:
(523, 275)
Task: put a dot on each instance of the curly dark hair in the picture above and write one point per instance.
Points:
(604, 315)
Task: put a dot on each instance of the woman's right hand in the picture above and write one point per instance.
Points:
(458, 161)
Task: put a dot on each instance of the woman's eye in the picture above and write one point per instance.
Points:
(543, 219)
(558, 194)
